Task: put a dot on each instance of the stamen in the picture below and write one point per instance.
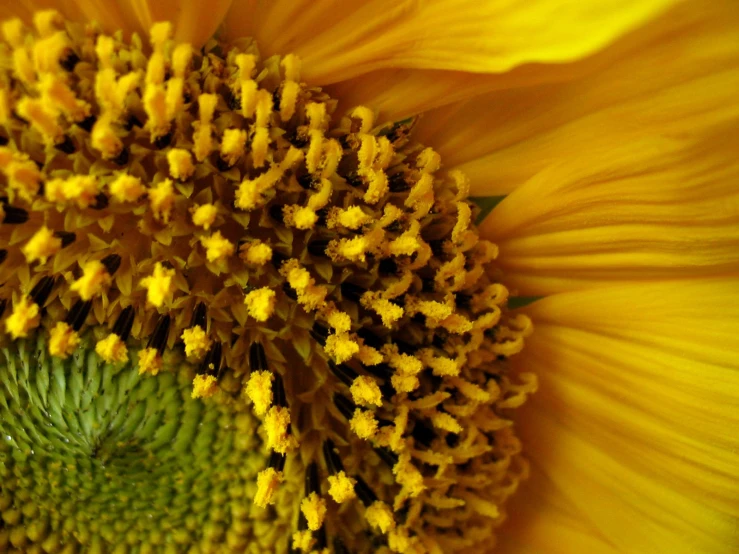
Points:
(322, 257)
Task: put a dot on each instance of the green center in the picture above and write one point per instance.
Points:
(95, 455)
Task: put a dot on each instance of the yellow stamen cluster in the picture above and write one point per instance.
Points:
(322, 265)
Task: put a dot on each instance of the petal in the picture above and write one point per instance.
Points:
(339, 40)
(193, 22)
(635, 420)
(634, 190)
(541, 520)
(503, 138)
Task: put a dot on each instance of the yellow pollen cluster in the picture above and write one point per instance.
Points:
(260, 303)
(112, 349)
(319, 268)
(159, 285)
(42, 245)
(25, 317)
(196, 342)
(94, 277)
(63, 340)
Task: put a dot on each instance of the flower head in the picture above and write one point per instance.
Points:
(249, 305)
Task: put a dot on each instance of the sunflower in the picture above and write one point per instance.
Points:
(332, 277)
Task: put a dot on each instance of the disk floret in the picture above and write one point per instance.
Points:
(320, 267)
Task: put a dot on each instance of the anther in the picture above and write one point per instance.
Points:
(14, 215)
(132, 122)
(388, 266)
(318, 248)
(111, 262)
(398, 183)
(312, 484)
(122, 157)
(158, 340)
(276, 213)
(67, 238)
(306, 181)
(344, 405)
(278, 258)
(163, 141)
(78, 314)
(66, 146)
(333, 462)
(354, 180)
(278, 389)
(123, 325)
(100, 203)
(343, 372)
(277, 461)
(462, 300)
(423, 432)
(352, 292)
(319, 333)
(257, 357)
(340, 547)
(41, 291)
(70, 61)
(369, 338)
(198, 316)
(387, 455)
(381, 370)
(321, 539)
(88, 123)
(289, 291)
(364, 492)
(211, 364)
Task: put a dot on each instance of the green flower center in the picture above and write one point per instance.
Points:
(95, 454)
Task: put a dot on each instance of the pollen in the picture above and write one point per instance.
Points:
(277, 427)
(42, 245)
(364, 424)
(255, 253)
(196, 342)
(259, 391)
(365, 391)
(112, 349)
(25, 317)
(127, 188)
(260, 303)
(161, 200)
(204, 386)
(63, 340)
(94, 278)
(267, 483)
(150, 361)
(314, 510)
(380, 516)
(159, 285)
(341, 487)
(204, 218)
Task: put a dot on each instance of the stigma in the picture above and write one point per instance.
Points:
(317, 266)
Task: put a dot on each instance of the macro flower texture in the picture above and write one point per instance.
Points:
(391, 276)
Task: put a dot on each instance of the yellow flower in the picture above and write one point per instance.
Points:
(372, 372)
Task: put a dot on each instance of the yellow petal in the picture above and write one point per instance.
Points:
(635, 420)
(543, 521)
(658, 75)
(193, 22)
(338, 40)
(633, 190)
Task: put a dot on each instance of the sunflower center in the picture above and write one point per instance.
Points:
(318, 270)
